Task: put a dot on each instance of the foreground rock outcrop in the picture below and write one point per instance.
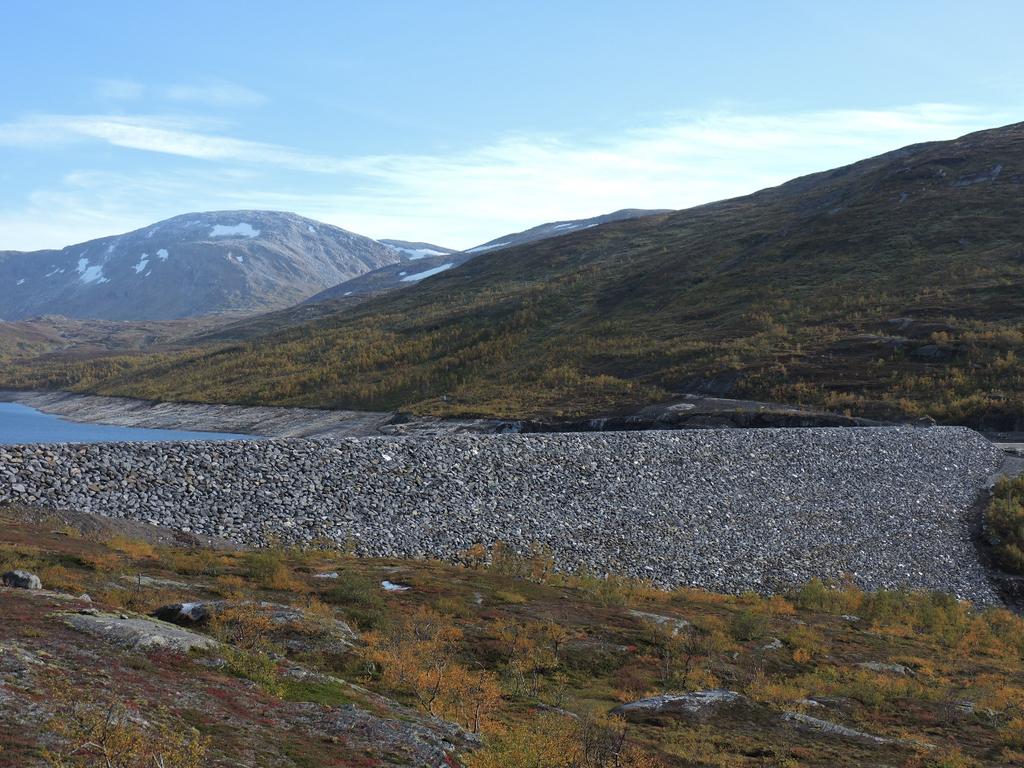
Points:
(21, 580)
(722, 509)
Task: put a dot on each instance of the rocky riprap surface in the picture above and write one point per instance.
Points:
(728, 510)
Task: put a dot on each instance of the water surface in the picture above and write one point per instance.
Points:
(21, 424)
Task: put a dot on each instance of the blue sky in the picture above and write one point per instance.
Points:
(455, 122)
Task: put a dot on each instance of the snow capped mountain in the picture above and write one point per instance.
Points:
(189, 265)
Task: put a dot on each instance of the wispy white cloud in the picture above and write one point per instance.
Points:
(212, 92)
(217, 93)
(464, 198)
(685, 160)
(175, 135)
(119, 90)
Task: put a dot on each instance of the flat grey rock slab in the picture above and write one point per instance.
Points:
(140, 634)
(675, 623)
(700, 704)
(826, 728)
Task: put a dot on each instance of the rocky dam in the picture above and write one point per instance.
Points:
(723, 509)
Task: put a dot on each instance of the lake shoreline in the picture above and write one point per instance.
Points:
(259, 421)
(21, 424)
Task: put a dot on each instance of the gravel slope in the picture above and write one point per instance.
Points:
(728, 510)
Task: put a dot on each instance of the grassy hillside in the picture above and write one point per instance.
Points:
(891, 286)
(524, 664)
(86, 338)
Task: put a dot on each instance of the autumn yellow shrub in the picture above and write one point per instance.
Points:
(247, 645)
(101, 561)
(807, 643)
(557, 741)
(1012, 734)
(509, 596)
(817, 595)
(418, 657)
(700, 596)
(87, 733)
(454, 606)
(317, 618)
(269, 569)
(231, 586)
(136, 598)
(952, 757)
(243, 626)
(194, 562)
(133, 548)
(995, 693)
(60, 578)
(776, 691)
(748, 624)
(475, 556)
(536, 566)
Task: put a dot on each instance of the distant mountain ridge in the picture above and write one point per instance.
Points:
(429, 260)
(557, 228)
(189, 265)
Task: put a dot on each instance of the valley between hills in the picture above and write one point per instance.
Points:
(888, 289)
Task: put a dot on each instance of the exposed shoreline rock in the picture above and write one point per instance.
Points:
(690, 412)
(726, 510)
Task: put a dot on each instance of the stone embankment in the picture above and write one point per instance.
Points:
(728, 510)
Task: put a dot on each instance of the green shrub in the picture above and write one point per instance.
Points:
(360, 597)
(1005, 518)
(748, 625)
(256, 666)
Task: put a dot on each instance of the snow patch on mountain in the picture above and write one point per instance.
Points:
(241, 229)
(481, 248)
(90, 274)
(418, 253)
(427, 273)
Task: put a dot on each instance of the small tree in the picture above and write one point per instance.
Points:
(419, 657)
(107, 735)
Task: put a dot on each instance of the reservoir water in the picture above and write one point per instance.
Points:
(20, 424)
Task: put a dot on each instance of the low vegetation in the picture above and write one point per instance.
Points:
(528, 660)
